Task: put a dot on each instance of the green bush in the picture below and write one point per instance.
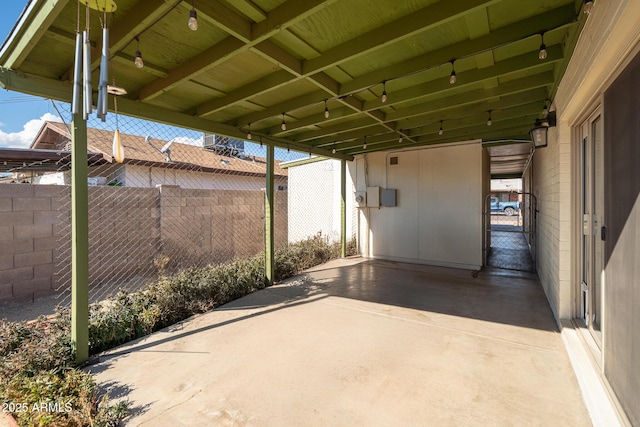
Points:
(37, 363)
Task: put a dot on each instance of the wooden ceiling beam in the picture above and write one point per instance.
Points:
(547, 21)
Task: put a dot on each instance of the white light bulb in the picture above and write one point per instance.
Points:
(326, 113)
(193, 20)
(587, 6)
(400, 140)
(452, 77)
(249, 136)
(333, 151)
(283, 126)
(384, 96)
(138, 59)
(489, 122)
(364, 146)
(543, 52)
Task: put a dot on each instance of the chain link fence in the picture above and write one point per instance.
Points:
(180, 199)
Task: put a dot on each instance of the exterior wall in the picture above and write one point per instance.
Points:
(611, 37)
(438, 219)
(314, 200)
(128, 229)
(145, 176)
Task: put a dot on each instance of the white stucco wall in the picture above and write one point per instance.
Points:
(438, 219)
(314, 200)
(144, 176)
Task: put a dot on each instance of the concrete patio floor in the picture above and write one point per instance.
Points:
(358, 342)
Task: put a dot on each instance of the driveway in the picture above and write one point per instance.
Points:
(358, 342)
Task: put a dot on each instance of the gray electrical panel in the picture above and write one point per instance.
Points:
(388, 197)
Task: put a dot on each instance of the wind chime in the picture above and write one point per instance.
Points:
(82, 88)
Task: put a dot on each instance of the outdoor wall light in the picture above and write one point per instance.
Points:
(539, 134)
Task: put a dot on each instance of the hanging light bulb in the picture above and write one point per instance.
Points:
(545, 109)
(588, 4)
(400, 140)
(441, 131)
(333, 151)
(543, 49)
(283, 126)
(193, 18)
(452, 76)
(364, 146)
(326, 110)
(138, 55)
(384, 92)
(260, 142)
(249, 136)
(489, 121)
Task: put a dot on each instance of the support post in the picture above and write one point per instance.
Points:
(79, 241)
(269, 267)
(343, 207)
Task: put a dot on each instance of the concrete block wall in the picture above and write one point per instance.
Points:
(130, 231)
(28, 241)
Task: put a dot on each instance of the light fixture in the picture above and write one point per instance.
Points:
(260, 142)
(384, 92)
(333, 151)
(283, 126)
(543, 49)
(545, 109)
(364, 146)
(489, 121)
(400, 140)
(441, 131)
(193, 18)
(588, 4)
(138, 55)
(452, 76)
(249, 136)
(326, 110)
(539, 134)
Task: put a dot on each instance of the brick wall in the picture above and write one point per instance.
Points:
(130, 229)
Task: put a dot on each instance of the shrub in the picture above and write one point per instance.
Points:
(37, 364)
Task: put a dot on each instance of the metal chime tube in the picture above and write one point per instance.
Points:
(86, 74)
(77, 73)
(104, 76)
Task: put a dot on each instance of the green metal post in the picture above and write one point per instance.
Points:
(268, 219)
(343, 207)
(79, 241)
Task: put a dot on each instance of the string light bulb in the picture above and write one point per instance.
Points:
(542, 55)
(400, 140)
(326, 110)
(441, 131)
(452, 77)
(138, 55)
(588, 4)
(193, 18)
(545, 109)
(283, 126)
(489, 121)
(333, 151)
(384, 92)
(249, 136)
(364, 146)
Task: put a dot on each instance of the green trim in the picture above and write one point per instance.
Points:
(308, 160)
(80, 241)
(269, 201)
(343, 208)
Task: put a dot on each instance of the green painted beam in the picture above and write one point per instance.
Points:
(336, 129)
(556, 18)
(285, 15)
(312, 120)
(79, 241)
(272, 111)
(34, 24)
(269, 203)
(59, 90)
(200, 63)
(393, 32)
(343, 208)
(248, 9)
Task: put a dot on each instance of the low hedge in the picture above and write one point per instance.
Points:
(37, 363)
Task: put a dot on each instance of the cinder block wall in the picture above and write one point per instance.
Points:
(128, 229)
(28, 241)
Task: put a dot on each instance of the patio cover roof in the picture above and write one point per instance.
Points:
(252, 64)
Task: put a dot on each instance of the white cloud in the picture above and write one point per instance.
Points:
(24, 138)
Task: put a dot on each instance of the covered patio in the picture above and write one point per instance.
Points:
(358, 342)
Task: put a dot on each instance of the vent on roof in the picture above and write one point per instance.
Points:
(223, 146)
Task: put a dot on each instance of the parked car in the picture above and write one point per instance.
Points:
(509, 208)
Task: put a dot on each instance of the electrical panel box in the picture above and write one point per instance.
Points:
(361, 198)
(373, 197)
(388, 197)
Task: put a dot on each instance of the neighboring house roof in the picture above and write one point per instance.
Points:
(56, 136)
